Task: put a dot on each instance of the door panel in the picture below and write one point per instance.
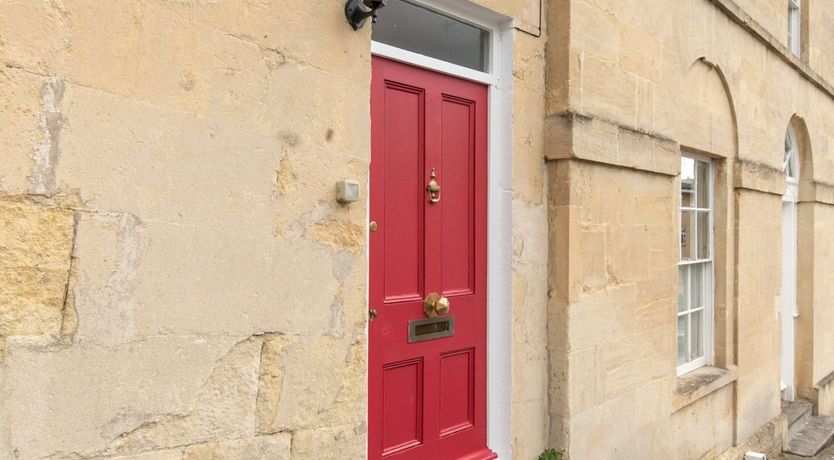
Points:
(458, 232)
(427, 399)
(402, 398)
(404, 108)
(457, 391)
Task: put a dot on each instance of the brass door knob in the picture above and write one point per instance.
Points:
(436, 305)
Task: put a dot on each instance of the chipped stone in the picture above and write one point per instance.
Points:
(339, 233)
(47, 153)
(36, 242)
(289, 402)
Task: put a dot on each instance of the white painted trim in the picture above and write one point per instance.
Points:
(709, 276)
(499, 224)
(500, 264)
(426, 62)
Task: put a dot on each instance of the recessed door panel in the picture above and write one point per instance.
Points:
(403, 230)
(458, 162)
(403, 397)
(457, 391)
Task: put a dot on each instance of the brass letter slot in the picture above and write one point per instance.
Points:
(431, 328)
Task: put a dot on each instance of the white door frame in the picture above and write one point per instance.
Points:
(789, 311)
(499, 180)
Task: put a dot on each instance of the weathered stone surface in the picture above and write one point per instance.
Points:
(276, 298)
(287, 401)
(49, 407)
(106, 253)
(36, 241)
(275, 447)
(21, 103)
(341, 441)
(164, 454)
(223, 408)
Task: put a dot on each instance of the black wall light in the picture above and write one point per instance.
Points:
(358, 11)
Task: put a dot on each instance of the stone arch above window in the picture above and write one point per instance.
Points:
(705, 114)
(797, 160)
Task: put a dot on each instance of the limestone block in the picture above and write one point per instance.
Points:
(767, 439)
(530, 428)
(592, 258)
(156, 164)
(529, 371)
(640, 52)
(634, 150)
(704, 426)
(607, 91)
(631, 362)
(592, 437)
(586, 15)
(234, 281)
(36, 241)
(344, 52)
(21, 100)
(336, 442)
(596, 140)
(34, 35)
(86, 59)
(528, 138)
(224, 407)
(107, 251)
(608, 313)
(587, 379)
(88, 398)
(287, 400)
(275, 447)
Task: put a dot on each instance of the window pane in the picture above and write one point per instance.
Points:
(683, 340)
(704, 186)
(697, 287)
(429, 33)
(696, 349)
(703, 235)
(687, 182)
(683, 285)
(687, 235)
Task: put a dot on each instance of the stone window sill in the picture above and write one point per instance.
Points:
(699, 383)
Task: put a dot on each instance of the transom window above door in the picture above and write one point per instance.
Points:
(422, 30)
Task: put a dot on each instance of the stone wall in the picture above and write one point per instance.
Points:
(166, 220)
(636, 85)
(178, 280)
(820, 46)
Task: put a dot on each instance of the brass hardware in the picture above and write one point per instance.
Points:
(372, 226)
(433, 188)
(436, 305)
(372, 314)
(431, 328)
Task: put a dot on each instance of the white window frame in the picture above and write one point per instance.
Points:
(795, 26)
(791, 158)
(709, 272)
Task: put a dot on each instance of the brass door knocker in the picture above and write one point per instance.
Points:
(433, 188)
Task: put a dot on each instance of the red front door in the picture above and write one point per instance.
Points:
(427, 378)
